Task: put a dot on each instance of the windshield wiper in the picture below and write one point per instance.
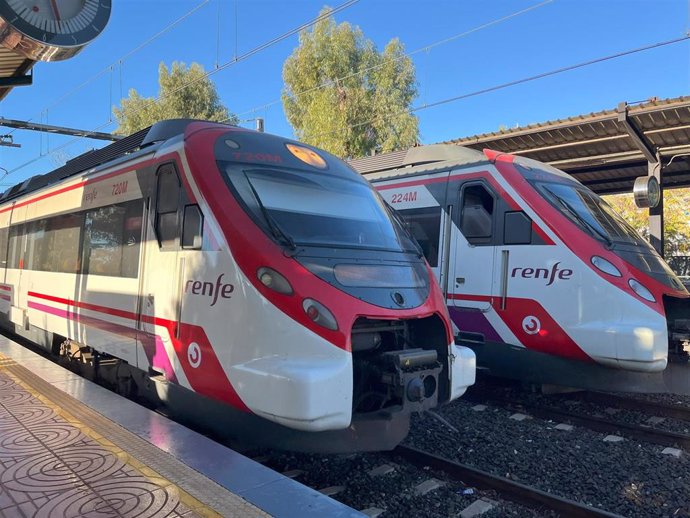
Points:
(588, 226)
(283, 237)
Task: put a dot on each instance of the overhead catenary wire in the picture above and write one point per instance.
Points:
(234, 60)
(49, 151)
(425, 48)
(218, 68)
(520, 81)
(264, 46)
(119, 62)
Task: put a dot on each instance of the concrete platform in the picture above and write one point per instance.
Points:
(69, 448)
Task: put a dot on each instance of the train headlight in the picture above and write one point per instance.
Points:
(641, 290)
(273, 280)
(605, 266)
(319, 314)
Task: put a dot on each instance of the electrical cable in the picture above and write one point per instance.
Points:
(523, 80)
(122, 59)
(266, 45)
(425, 48)
(233, 61)
(63, 146)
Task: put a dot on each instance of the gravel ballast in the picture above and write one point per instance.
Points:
(628, 477)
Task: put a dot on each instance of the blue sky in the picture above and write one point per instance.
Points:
(557, 34)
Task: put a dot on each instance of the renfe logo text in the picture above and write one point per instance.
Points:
(543, 273)
(209, 289)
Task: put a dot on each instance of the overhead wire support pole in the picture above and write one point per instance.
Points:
(61, 130)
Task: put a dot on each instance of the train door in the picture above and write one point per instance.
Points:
(108, 286)
(160, 282)
(16, 277)
(474, 247)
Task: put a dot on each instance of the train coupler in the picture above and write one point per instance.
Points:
(412, 377)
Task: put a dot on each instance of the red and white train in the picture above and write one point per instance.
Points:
(542, 278)
(254, 284)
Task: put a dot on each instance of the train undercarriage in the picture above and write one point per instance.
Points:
(392, 379)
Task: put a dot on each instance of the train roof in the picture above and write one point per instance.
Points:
(145, 138)
(435, 157)
(416, 160)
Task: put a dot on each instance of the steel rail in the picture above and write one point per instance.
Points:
(662, 437)
(655, 436)
(508, 489)
(629, 403)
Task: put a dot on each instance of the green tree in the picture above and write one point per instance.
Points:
(183, 93)
(676, 218)
(344, 96)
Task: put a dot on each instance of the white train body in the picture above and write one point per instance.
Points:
(160, 261)
(542, 278)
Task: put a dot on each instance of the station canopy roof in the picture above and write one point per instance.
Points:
(606, 150)
(13, 70)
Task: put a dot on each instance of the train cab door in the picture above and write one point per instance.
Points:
(474, 249)
(160, 282)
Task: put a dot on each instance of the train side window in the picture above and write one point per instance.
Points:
(192, 228)
(36, 239)
(54, 244)
(167, 203)
(112, 240)
(517, 228)
(132, 238)
(425, 226)
(4, 238)
(16, 244)
(476, 218)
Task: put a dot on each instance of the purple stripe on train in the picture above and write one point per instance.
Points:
(152, 344)
(474, 321)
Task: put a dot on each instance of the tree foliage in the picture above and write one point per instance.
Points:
(183, 93)
(344, 96)
(676, 219)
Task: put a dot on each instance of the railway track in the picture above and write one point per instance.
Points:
(485, 486)
(508, 489)
(629, 403)
(644, 433)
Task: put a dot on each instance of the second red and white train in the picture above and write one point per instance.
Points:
(542, 278)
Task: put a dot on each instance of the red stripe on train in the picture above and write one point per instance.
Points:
(206, 376)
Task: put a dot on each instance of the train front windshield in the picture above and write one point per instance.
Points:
(596, 217)
(591, 213)
(304, 208)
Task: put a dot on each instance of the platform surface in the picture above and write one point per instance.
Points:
(69, 448)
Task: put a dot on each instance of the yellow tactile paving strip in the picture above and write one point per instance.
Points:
(53, 464)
